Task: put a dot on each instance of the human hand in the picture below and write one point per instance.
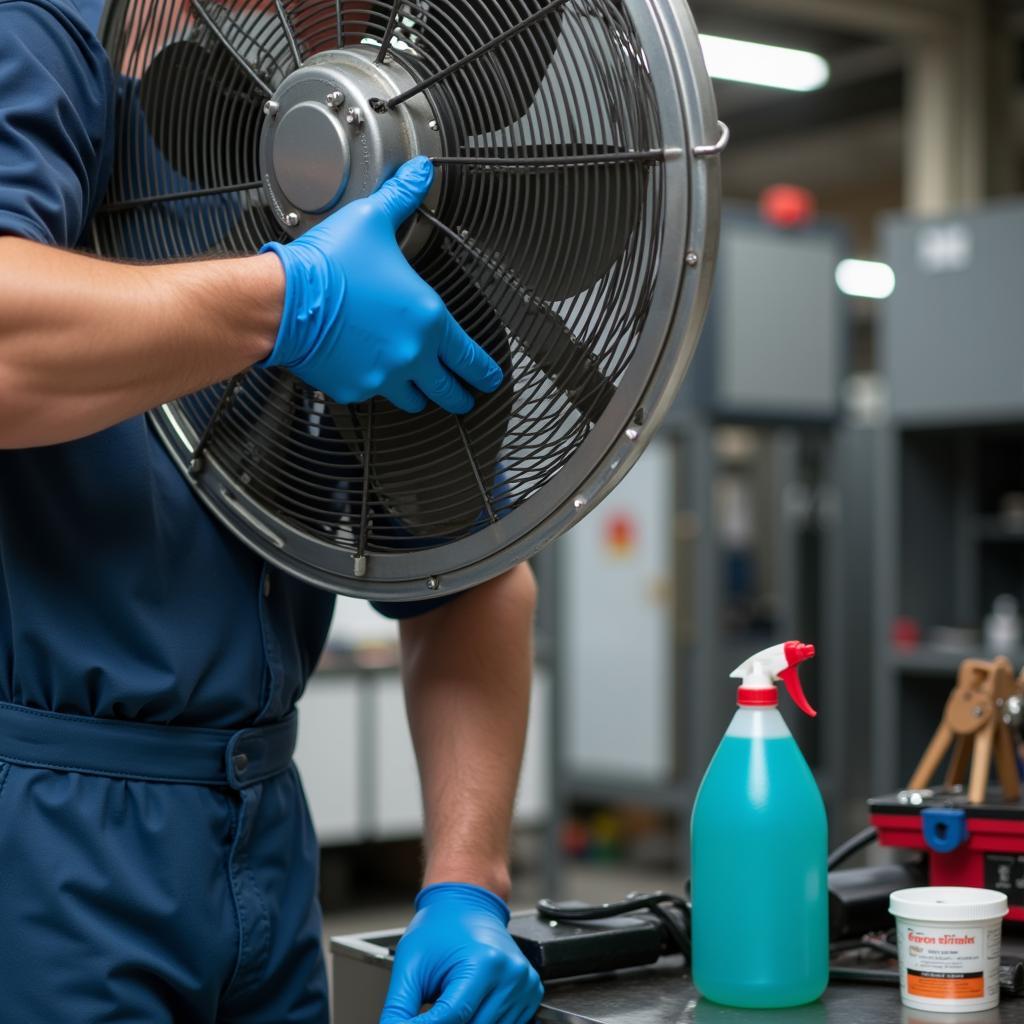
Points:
(457, 952)
(358, 320)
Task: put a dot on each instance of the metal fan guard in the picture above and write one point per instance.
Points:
(692, 138)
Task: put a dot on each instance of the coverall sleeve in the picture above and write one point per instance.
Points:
(409, 609)
(56, 121)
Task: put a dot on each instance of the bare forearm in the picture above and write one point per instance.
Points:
(86, 343)
(467, 669)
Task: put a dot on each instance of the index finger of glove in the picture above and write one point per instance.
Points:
(405, 991)
(459, 1001)
(465, 358)
(400, 196)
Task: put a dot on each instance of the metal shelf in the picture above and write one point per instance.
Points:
(926, 660)
(661, 796)
(992, 529)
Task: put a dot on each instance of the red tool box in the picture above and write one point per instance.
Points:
(967, 844)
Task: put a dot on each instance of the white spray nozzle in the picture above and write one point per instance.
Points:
(760, 672)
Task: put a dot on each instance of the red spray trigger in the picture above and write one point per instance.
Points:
(797, 652)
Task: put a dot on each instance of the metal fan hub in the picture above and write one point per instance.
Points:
(323, 144)
(311, 156)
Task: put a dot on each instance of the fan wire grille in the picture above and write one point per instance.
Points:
(545, 241)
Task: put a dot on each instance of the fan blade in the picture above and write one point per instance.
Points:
(182, 80)
(513, 70)
(423, 494)
(558, 254)
(517, 67)
(544, 336)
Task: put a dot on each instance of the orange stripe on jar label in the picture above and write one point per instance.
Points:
(928, 985)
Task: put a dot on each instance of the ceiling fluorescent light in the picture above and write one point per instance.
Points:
(759, 64)
(865, 279)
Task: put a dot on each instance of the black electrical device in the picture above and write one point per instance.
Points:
(566, 949)
(858, 898)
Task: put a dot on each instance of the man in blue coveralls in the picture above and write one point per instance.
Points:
(157, 861)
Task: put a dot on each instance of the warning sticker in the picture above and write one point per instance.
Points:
(945, 986)
(1004, 872)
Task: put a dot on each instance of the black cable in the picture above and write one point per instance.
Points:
(651, 902)
(851, 846)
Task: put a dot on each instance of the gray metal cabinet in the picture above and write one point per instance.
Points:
(949, 465)
(953, 330)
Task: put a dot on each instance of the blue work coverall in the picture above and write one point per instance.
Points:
(157, 860)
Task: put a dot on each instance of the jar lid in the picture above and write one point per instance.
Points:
(948, 903)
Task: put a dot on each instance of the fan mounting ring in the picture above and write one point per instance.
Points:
(571, 231)
(323, 144)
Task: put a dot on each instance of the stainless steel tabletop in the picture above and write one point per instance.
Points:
(664, 994)
(660, 994)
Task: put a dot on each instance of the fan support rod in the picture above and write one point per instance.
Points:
(233, 386)
(223, 40)
(170, 197)
(364, 512)
(385, 44)
(476, 54)
(476, 470)
(627, 156)
(286, 24)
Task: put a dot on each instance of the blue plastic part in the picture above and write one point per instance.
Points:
(944, 828)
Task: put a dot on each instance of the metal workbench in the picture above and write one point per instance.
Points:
(660, 994)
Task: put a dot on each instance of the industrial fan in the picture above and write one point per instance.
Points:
(571, 229)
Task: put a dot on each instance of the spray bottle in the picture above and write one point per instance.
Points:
(759, 842)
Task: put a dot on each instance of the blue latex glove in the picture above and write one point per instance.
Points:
(458, 954)
(358, 321)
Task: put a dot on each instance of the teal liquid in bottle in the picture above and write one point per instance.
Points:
(759, 841)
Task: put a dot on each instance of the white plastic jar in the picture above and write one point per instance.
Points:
(949, 939)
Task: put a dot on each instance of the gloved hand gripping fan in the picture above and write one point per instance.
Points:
(571, 230)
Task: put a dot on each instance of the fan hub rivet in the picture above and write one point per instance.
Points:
(291, 219)
(335, 99)
(355, 117)
(271, 107)
(433, 125)
(433, 583)
(632, 434)
(579, 502)
(692, 259)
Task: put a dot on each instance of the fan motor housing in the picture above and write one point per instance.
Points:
(327, 139)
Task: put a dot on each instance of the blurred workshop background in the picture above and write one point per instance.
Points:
(844, 465)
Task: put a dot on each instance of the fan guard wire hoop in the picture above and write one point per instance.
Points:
(573, 234)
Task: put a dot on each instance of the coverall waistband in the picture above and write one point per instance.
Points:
(139, 750)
